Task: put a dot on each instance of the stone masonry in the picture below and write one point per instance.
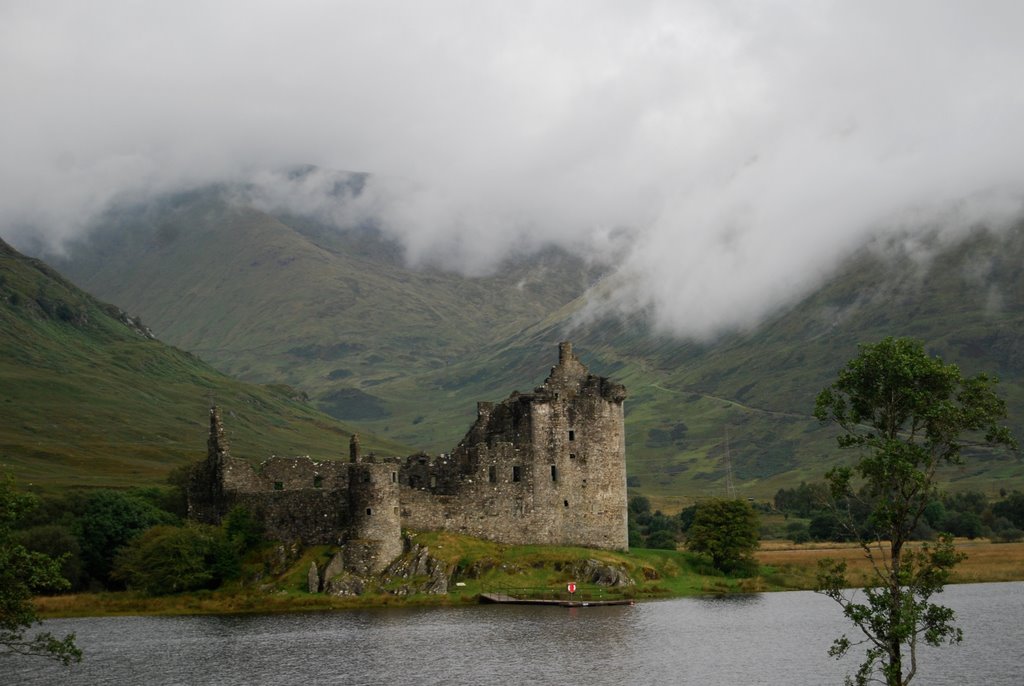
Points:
(546, 467)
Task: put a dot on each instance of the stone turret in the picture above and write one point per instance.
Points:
(564, 352)
(206, 481)
(353, 449)
(217, 446)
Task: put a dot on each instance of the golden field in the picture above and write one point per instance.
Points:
(794, 566)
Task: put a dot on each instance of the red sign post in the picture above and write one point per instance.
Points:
(571, 587)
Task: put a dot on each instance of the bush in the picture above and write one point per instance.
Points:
(1003, 531)
(797, 532)
(664, 540)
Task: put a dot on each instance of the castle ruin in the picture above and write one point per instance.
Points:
(546, 467)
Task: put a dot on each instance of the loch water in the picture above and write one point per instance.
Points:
(768, 638)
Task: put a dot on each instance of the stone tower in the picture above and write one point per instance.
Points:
(578, 438)
(545, 467)
(375, 532)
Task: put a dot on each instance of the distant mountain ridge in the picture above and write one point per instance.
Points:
(406, 352)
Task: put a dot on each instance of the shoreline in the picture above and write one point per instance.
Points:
(783, 567)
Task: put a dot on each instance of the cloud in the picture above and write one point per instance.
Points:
(723, 156)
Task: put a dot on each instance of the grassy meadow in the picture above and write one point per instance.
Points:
(793, 566)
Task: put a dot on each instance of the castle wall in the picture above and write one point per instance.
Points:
(546, 467)
(314, 517)
(499, 510)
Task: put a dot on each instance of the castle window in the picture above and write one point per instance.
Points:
(572, 435)
(572, 456)
(394, 477)
(396, 509)
(318, 481)
(369, 511)
(566, 503)
(554, 473)
(366, 477)
(517, 473)
(492, 474)
(278, 485)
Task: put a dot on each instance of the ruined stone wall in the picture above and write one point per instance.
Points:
(314, 517)
(546, 467)
(494, 501)
(293, 473)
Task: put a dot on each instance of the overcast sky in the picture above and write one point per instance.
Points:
(725, 155)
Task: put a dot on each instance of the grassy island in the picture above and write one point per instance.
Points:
(478, 566)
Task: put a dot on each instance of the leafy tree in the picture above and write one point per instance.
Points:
(907, 413)
(639, 504)
(802, 501)
(1012, 508)
(58, 542)
(686, 516)
(636, 536)
(110, 520)
(726, 531)
(243, 528)
(173, 559)
(22, 574)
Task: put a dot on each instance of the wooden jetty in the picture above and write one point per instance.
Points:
(559, 601)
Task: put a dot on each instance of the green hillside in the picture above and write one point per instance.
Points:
(405, 353)
(89, 398)
(285, 299)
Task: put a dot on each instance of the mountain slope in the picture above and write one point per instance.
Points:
(966, 301)
(286, 299)
(89, 398)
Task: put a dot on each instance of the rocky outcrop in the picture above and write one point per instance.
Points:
(413, 567)
(346, 584)
(601, 573)
(335, 567)
(416, 571)
(313, 578)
